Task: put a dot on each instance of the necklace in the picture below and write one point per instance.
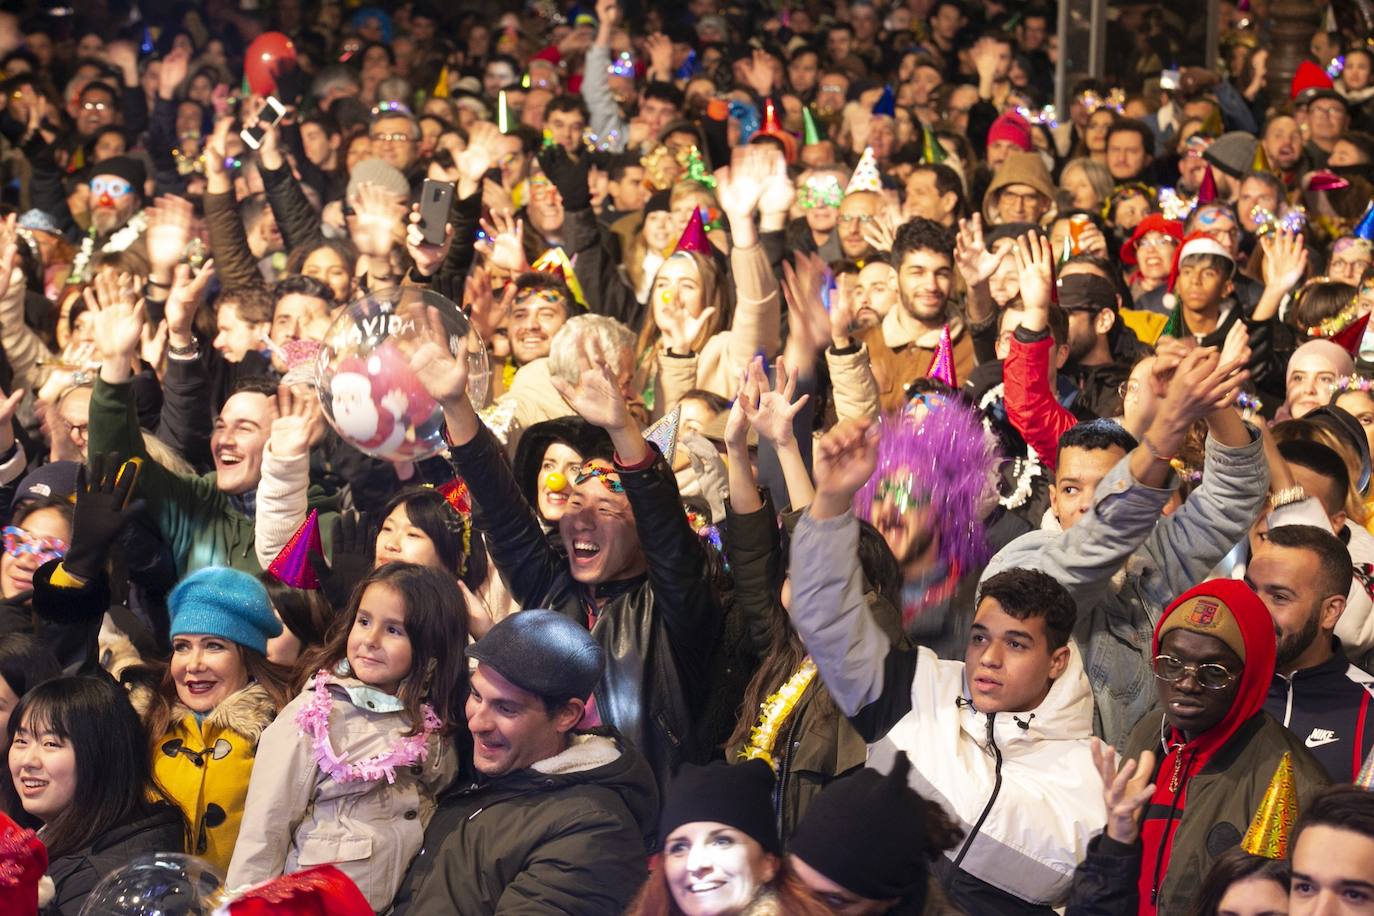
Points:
(1023, 470)
(119, 241)
(313, 721)
(773, 712)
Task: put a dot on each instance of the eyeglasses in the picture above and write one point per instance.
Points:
(1155, 240)
(94, 106)
(19, 542)
(117, 187)
(609, 479)
(78, 428)
(1211, 675)
(391, 138)
(1328, 111)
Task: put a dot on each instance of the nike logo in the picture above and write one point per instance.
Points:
(1321, 736)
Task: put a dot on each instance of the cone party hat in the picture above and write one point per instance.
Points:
(694, 236)
(810, 135)
(1366, 778)
(1207, 191)
(886, 104)
(942, 366)
(1268, 833)
(1261, 161)
(441, 84)
(865, 177)
(932, 153)
(292, 566)
(1364, 229)
(555, 261)
(663, 433)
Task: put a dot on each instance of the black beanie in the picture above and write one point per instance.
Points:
(737, 795)
(868, 834)
(126, 167)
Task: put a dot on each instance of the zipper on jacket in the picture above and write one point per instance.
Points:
(996, 790)
(1288, 703)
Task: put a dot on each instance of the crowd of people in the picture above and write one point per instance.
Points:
(800, 471)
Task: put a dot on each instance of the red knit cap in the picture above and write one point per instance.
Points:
(1011, 126)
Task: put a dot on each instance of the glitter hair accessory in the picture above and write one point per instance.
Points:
(609, 479)
(953, 462)
(1115, 100)
(820, 191)
(1348, 383)
(313, 721)
(1046, 116)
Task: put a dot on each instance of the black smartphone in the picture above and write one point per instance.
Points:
(272, 112)
(435, 199)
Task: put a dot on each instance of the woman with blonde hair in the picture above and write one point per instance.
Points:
(1085, 184)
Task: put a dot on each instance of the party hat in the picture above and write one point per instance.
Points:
(1261, 161)
(1268, 833)
(292, 566)
(697, 171)
(810, 135)
(865, 177)
(455, 493)
(1366, 778)
(503, 119)
(772, 127)
(932, 153)
(942, 366)
(1174, 326)
(1207, 191)
(663, 433)
(555, 261)
(1364, 229)
(1349, 337)
(886, 104)
(1326, 180)
(694, 236)
(1212, 125)
(441, 84)
(1065, 253)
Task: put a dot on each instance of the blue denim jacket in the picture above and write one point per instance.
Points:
(1124, 562)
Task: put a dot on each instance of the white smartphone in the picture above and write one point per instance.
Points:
(272, 112)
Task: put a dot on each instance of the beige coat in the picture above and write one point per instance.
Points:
(297, 817)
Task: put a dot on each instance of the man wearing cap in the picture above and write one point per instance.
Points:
(1208, 753)
(547, 817)
(1303, 574)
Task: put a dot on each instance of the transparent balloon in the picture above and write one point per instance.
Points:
(369, 393)
(160, 884)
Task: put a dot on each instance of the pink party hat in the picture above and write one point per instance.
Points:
(865, 177)
(292, 566)
(942, 366)
(694, 236)
(1325, 180)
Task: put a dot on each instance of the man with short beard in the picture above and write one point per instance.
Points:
(1282, 142)
(1302, 574)
(116, 202)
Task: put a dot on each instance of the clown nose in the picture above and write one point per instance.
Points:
(555, 482)
(105, 200)
(665, 297)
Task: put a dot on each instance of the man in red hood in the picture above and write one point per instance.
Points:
(1216, 750)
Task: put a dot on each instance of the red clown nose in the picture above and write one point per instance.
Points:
(105, 200)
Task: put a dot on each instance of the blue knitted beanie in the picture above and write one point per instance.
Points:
(223, 602)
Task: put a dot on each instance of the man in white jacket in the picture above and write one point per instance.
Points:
(1001, 740)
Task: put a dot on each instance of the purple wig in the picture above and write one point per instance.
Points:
(950, 459)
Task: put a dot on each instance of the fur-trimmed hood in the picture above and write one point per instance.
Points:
(247, 711)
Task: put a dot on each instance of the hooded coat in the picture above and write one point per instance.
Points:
(1208, 787)
(569, 835)
(204, 766)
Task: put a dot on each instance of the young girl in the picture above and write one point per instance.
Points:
(349, 771)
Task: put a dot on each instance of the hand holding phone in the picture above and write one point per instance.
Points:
(269, 116)
(435, 200)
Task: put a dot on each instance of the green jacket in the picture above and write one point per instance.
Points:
(198, 520)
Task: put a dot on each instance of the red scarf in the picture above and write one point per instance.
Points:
(1184, 759)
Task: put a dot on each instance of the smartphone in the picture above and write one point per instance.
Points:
(272, 112)
(435, 199)
(1168, 80)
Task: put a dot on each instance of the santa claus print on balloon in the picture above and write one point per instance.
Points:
(369, 393)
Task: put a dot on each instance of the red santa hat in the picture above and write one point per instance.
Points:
(23, 860)
(1197, 243)
(1308, 80)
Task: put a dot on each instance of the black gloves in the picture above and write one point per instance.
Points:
(569, 176)
(354, 547)
(100, 513)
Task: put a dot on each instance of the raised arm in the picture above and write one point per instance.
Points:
(1028, 379)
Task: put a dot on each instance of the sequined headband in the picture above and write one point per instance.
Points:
(820, 191)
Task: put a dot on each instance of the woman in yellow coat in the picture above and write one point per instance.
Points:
(217, 696)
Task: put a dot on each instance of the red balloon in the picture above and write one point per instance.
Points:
(267, 57)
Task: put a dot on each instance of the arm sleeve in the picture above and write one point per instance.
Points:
(228, 240)
(852, 383)
(297, 220)
(751, 543)
(22, 346)
(677, 563)
(1185, 545)
(46, 192)
(134, 108)
(282, 504)
(186, 425)
(162, 139)
(1031, 405)
(677, 375)
(278, 797)
(756, 327)
(596, 92)
(869, 678)
(464, 215)
(597, 267)
(1237, 110)
(1105, 882)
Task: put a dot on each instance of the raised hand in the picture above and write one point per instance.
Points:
(216, 150)
(843, 461)
(153, 348)
(299, 425)
(680, 329)
(184, 299)
(779, 192)
(740, 186)
(801, 290)
(172, 72)
(1035, 272)
(169, 233)
(971, 255)
(760, 72)
(486, 146)
(102, 501)
(505, 248)
(772, 412)
(1201, 385)
(1126, 791)
(881, 231)
(597, 397)
(485, 313)
(428, 258)
(119, 317)
(1285, 259)
(442, 374)
(378, 214)
(607, 16)
(659, 49)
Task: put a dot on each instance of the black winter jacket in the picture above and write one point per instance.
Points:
(658, 629)
(76, 875)
(1327, 707)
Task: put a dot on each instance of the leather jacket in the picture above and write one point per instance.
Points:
(658, 629)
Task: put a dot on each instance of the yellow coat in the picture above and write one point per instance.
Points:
(205, 768)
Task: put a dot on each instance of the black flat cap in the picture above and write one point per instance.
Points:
(543, 652)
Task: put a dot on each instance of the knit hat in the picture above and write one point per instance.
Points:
(217, 601)
(659, 201)
(1233, 152)
(23, 861)
(867, 833)
(378, 172)
(1011, 126)
(543, 652)
(737, 795)
(126, 167)
(1155, 222)
(319, 891)
(54, 479)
